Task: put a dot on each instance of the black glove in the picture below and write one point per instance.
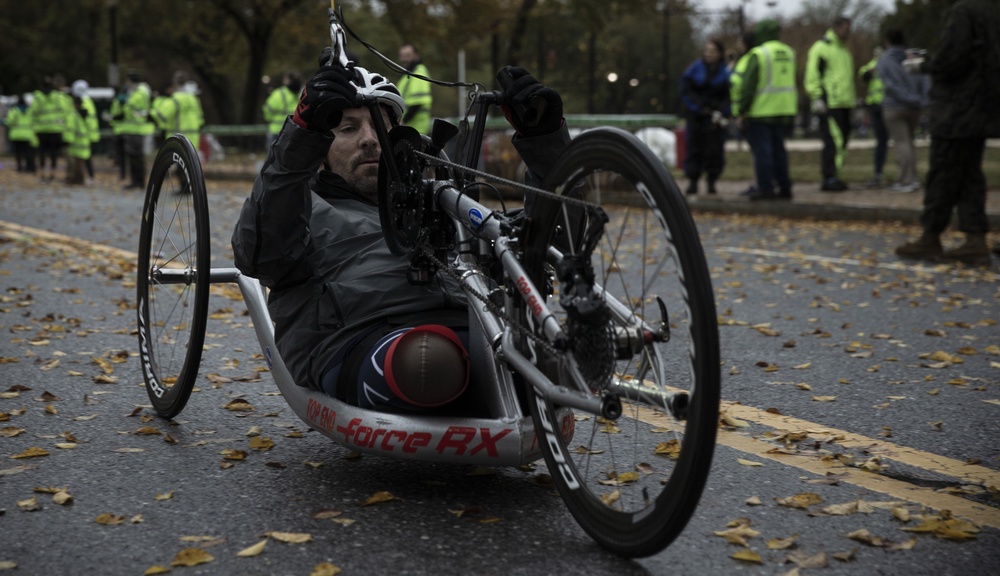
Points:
(531, 108)
(324, 99)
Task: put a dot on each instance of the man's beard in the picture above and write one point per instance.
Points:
(364, 182)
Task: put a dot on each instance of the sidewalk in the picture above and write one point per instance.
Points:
(808, 202)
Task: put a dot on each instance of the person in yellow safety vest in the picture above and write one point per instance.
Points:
(79, 90)
(829, 81)
(49, 109)
(21, 134)
(416, 91)
(280, 104)
(767, 105)
(162, 111)
(873, 105)
(77, 141)
(136, 127)
(191, 117)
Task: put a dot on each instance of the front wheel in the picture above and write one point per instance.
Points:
(632, 483)
(173, 272)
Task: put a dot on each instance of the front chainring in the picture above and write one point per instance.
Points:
(401, 201)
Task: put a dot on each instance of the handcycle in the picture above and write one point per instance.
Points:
(593, 332)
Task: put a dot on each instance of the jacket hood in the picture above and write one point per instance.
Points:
(766, 30)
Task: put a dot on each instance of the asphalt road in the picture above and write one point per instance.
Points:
(887, 377)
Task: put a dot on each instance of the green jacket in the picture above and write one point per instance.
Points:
(77, 136)
(876, 90)
(19, 128)
(93, 127)
(830, 72)
(767, 90)
(736, 83)
(136, 121)
(179, 112)
(49, 111)
(280, 104)
(416, 94)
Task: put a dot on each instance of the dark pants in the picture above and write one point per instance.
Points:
(881, 136)
(704, 148)
(835, 131)
(50, 146)
(770, 159)
(136, 160)
(955, 180)
(24, 153)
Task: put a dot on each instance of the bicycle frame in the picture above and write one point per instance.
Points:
(506, 439)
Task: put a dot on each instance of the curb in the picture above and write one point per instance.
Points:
(815, 211)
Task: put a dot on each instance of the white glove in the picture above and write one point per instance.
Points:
(912, 65)
(716, 117)
(819, 106)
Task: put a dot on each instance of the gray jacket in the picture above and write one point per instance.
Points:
(318, 246)
(902, 89)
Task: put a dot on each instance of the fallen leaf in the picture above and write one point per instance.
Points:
(155, 570)
(325, 569)
(191, 557)
(845, 556)
(378, 498)
(231, 454)
(110, 519)
(262, 443)
(737, 535)
(753, 501)
(803, 560)
(800, 501)
(291, 537)
(747, 556)
(866, 537)
(845, 509)
(252, 551)
(239, 405)
(748, 462)
(33, 452)
(62, 498)
(164, 496)
(824, 398)
(730, 420)
(29, 505)
(782, 543)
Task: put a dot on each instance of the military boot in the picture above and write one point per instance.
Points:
(973, 251)
(927, 247)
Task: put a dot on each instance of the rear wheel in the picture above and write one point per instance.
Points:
(632, 483)
(173, 276)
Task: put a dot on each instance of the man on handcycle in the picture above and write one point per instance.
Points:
(347, 320)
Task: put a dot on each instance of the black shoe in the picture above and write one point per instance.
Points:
(692, 188)
(749, 191)
(133, 187)
(761, 196)
(833, 185)
(785, 194)
(711, 188)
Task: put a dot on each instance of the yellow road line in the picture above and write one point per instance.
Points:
(16, 230)
(979, 513)
(963, 472)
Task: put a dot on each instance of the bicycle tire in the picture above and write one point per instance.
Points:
(172, 276)
(657, 483)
